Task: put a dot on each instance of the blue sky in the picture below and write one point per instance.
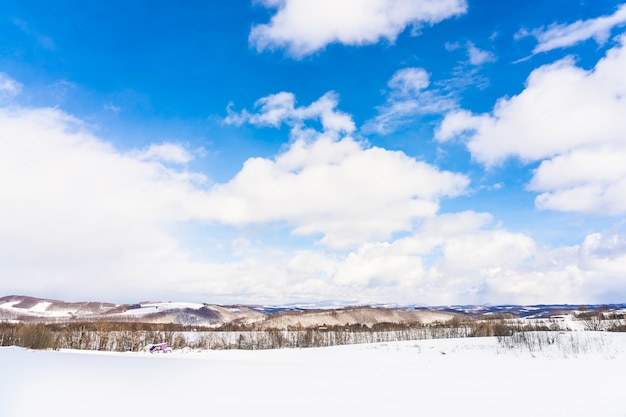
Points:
(278, 151)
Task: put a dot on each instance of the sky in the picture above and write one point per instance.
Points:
(423, 152)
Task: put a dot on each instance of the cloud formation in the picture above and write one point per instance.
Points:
(478, 56)
(568, 118)
(329, 184)
(342, 190)
(462, 257)
(9, 88)
(558, 36)
(78, 214)
(276, 109)
(81, 219)
(166, 153)
(408, 99)
(475, 55)
(304, 27)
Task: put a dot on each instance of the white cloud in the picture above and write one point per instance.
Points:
(9, 88)
(83, 220)
(566, 35)
(469, 247)
(409, 81)
(587, 179)
(329, 184)
(408, 99)
(304, 27)
(452, 46)
(454, 258)
(459, 124)
(79, 215)
(280, 108)
(166, 152)
(412, 96)
(571, 119)
(340, 189)
(478, 56)
(468, 72)
(462, 258)
(485, 251)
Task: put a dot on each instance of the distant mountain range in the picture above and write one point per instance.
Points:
(19, 308)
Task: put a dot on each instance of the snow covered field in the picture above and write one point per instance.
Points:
(579, 374)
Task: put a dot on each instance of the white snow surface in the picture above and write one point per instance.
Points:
(151, 308)
(39, 309)
(452, 377)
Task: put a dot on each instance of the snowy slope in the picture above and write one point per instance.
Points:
(24, 308)
(453, 377)
(30, 307)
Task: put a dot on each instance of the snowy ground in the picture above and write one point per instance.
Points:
(454, 377)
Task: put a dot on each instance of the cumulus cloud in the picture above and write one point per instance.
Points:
(342, 190)
(449, 259)
(463, 258)
(559, 36)
(408, 99)
(332, 185)
(303, 27)
(81, 219)
(586, 179)
(568, 118)
(78, 214)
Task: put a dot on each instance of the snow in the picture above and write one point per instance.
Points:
(41, 307)
(451, 377)
(151, 308)
(570, 323)
(9, 304)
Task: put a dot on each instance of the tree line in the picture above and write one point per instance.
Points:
(134, 336)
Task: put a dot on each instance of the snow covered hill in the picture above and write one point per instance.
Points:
(30, 309)
(23, 308)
